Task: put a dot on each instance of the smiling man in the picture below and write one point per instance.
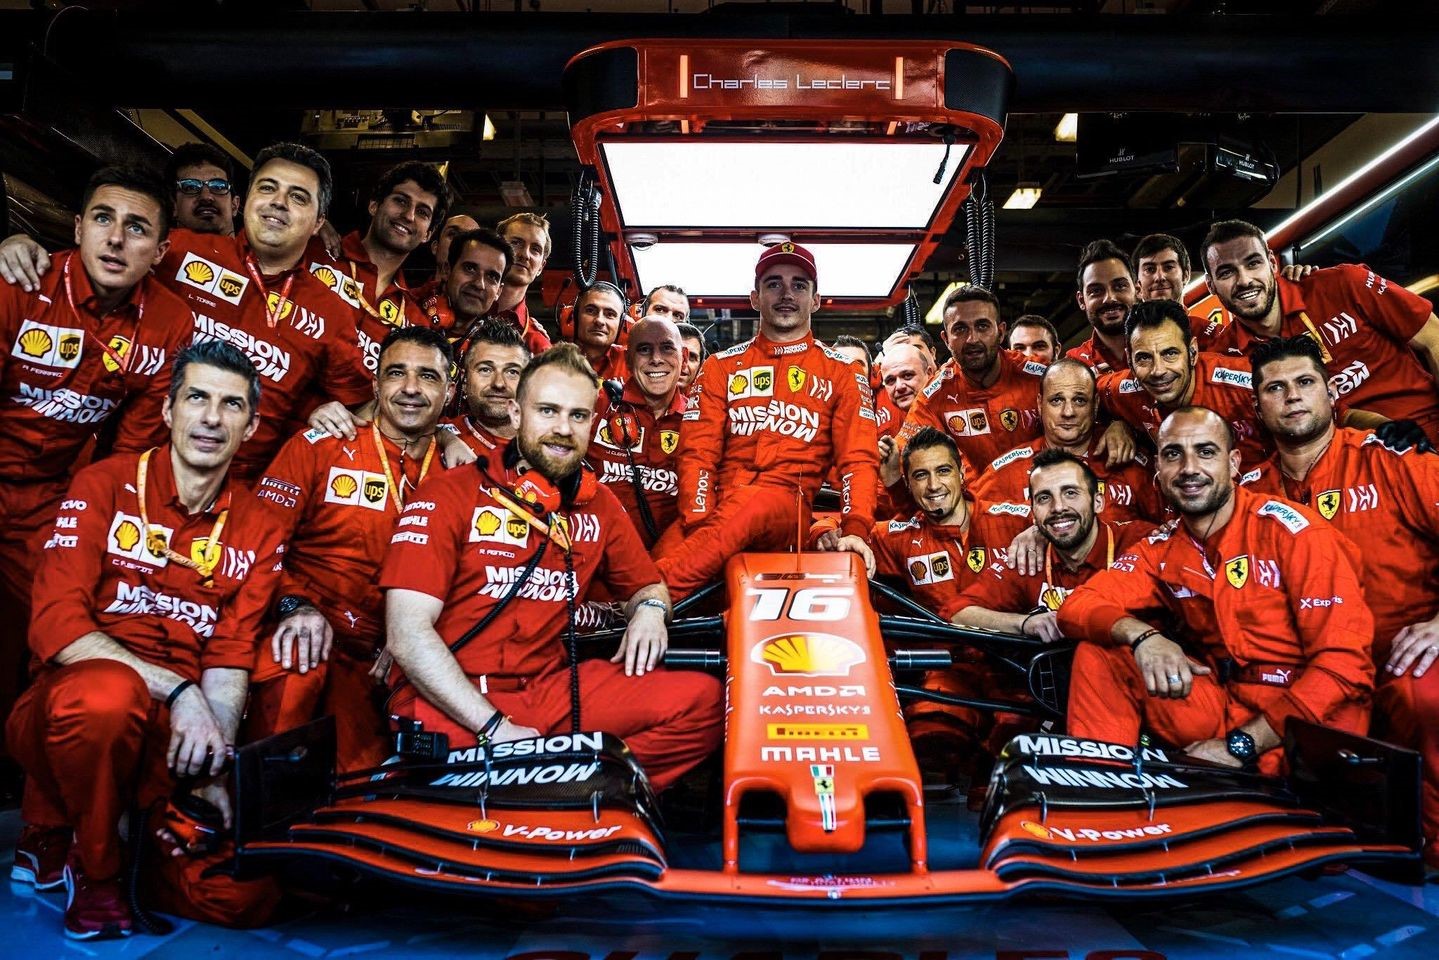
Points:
(1237, 650)
(637, 428)
(528, 236)
(147, 604)
(479, 260)
(253, 292)
(599, 311)
(1379, 341)
(206, 198)
(337, 502)
(451, 564)
(405, 205)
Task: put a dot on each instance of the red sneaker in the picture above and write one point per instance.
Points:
(94, 909)
(40, 857)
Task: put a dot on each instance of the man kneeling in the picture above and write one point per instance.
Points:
(468, 540)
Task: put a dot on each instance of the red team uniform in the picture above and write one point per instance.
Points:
(460, 544)
(765, 423)
(1245, 597)
(984, 421)
(1223, 384)
(1128, 490)
(81, 731)
(353, 278)
(1095, 355)
(66, 372)
(1388, 504)
(336, 500)
(651, 450)
(487, 447)
(1363, 323)
(937, 563)
(299, 337)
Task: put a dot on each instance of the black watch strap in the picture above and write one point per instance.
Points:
(289, 603)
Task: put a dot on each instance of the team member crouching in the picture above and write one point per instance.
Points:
(147, 605)
(1065, 499)
(463, 546)
(1384, 501)
(337, 502)
(940, 552)
(637, 432)
(1239, 579)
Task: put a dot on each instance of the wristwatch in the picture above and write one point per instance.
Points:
(289, 603)
(1241, 747)
(658, 604)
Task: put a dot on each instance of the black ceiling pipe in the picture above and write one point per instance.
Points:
(1329, 64)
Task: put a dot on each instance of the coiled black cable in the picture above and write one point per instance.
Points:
(572, 642)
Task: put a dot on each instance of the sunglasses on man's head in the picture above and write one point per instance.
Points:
(191, 187)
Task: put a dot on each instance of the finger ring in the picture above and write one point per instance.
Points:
(1175, 678)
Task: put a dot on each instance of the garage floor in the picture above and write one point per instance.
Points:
(1344, 916)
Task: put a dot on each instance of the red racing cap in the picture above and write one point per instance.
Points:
(786, 252)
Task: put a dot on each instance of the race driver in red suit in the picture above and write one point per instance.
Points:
(147, 605)
(768, 420)
(1238, 575)
(465, 542)
(89, 349)
(1383, 500)
(337, 502)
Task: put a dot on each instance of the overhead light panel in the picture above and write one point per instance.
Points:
(859, 150)
(849, 271)
(879, 185)
(1067, 130)
(489, 129)
(1024, 197)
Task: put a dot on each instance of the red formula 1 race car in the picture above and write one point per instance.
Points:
(821, 798)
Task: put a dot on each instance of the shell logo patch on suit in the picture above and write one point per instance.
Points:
(975, 559)
(752, 382)
(212, 278)
(1236, 571)
(1053, 598)
(498, 525)
(808, 654)
(325, 275)
(126, 540)
(356, 487)
(930, 568)
(1328, 503)
(49, 346)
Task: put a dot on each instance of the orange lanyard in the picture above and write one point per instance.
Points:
(121, 361)
(272, 315)
(1309, 325)
(394, 488)
(155, 539)
(558, 529)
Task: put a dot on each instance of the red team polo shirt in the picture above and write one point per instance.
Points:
(1009, 591)
(312, 344)
(488, 447)
(938, 562)
(456, 543)
(1364, 323)
(984, 421)
(99, 573)
(65, 369)
(336, 505)
(353, 277)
